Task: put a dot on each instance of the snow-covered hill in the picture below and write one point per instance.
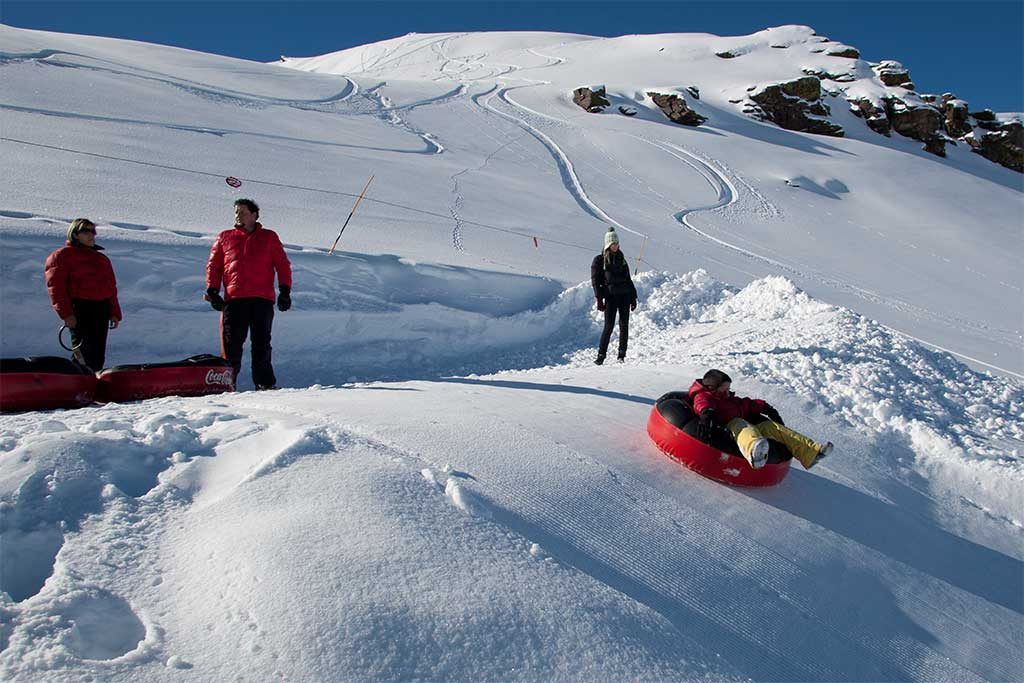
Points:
(447, 488)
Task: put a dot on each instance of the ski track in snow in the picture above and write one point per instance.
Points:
(388, 113)
(432, 147)
(455, 208)
(728, 196)
(569, 178)
(552, 60)
(218, 94)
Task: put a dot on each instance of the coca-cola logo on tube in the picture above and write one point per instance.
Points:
(222, 377)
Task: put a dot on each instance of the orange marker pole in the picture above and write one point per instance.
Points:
(350, 213)
(640, 256)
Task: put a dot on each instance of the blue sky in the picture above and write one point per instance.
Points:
(974, 49)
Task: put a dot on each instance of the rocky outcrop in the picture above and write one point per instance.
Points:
(593, 99)
(676, 109)
(940, 121)
(694, 91)
(892, 73)
(1004, 146)
(936, 146)
(806, 88)
(957, 121)
(795, 105)
(875, 116)
(844, 51)
(830, 76)
(725, 54)
(986, 119)
(627, 111)
(922, 123)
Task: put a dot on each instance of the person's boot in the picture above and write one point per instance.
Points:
(599, 360)
(822, 454)
(622, 359)
(759, 453)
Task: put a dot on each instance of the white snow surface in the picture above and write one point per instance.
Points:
(446, 487)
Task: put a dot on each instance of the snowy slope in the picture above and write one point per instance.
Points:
(448, 489)
(477, 149)
(906, 232)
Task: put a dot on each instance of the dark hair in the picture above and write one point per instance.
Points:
(249, 204)
(715, 378)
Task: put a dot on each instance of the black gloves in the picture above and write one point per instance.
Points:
(632, 305)
(708, 424)
(213, 296)
(600, 304)
(284, 299)
(772, 414)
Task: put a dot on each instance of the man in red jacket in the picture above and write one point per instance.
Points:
(751, 421)
(245, 259)
(83, 291)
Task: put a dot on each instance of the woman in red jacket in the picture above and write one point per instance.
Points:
(83, 291)
(751, 421)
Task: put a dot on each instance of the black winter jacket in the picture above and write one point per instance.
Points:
(612, 279)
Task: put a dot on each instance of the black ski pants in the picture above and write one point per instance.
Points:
(90, 331)
(240, 318)
(615, 305)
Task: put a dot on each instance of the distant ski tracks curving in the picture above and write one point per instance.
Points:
(723, 184)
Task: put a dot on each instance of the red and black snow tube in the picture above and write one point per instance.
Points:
(673, 427)
(44, 383)
(195, 376)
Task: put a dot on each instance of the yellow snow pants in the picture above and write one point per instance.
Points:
(803, 448)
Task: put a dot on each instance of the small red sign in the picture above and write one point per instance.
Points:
(233, 181)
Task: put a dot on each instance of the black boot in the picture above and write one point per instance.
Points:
(599, 360)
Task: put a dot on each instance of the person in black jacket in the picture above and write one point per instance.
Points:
(615, 292)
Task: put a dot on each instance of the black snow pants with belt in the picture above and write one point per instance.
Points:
(242, 317)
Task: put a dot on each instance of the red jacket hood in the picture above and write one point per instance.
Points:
(697, 386)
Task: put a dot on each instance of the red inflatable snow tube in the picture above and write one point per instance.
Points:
(195, 376)
(44, 383)
(672, 425)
